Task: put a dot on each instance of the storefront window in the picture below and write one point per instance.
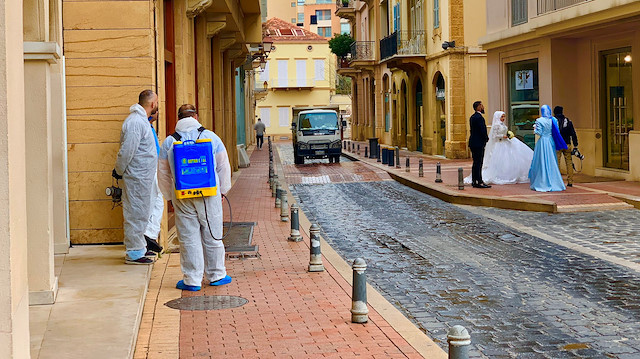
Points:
(524, 99)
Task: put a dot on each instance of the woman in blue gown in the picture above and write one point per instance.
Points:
(544, 174)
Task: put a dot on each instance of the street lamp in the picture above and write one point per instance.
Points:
(263, 63)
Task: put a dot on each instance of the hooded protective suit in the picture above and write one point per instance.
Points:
(136, 163)
(157, 201)
(200, 254)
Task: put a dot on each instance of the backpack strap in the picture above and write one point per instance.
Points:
(177, 136)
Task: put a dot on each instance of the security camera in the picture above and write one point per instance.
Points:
(448, 44)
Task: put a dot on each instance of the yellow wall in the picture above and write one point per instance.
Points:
(110, 60)
(286, 97)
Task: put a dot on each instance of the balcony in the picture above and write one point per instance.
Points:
(545, 6)
(286, 84)
(362, 51)
(411, 43)
(345, 68)
(346, 9)
(260, 92)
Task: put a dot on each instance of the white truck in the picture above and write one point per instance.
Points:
(317, 133)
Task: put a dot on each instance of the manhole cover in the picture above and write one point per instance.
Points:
(212, 302)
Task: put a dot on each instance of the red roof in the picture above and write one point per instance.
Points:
(282, 31)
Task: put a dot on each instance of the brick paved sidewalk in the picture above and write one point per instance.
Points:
(587, 194)
(290, 314)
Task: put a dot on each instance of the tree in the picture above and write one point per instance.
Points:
(340, 44)
(343, 85)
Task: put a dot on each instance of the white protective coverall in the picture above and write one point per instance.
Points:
(200, 254)
(157, 202)
(136, 163)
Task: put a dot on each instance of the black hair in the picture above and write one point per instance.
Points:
(476, 104)
(558, 110)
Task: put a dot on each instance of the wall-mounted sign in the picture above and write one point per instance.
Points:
(524, 80)
(439, 94)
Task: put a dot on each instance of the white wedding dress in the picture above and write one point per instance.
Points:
(506, 161)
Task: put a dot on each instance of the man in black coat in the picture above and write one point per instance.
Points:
(477, 142)
(568, 134)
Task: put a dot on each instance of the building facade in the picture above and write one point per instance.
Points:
(410, 90)
(577, 54)
(300, 72)
(316, 16)
(71, 70)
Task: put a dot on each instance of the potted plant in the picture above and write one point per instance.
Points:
(340, 45)
(345, 3)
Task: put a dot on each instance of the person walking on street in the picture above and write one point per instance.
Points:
(477, 142)
(137, 163)
(260, 129)
(157, 202)
(199, 219)
(568, 134)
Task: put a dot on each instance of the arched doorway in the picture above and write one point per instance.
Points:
(403, 115)
(440, 126)
(394, 115)
(419, 116)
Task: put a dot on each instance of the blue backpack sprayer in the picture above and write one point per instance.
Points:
(195, 172)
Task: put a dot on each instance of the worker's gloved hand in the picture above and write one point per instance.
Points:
(115, 174)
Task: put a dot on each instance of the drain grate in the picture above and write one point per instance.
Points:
(207, 302)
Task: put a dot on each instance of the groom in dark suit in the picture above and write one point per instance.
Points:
(477, 141)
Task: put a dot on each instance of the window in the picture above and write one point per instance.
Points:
(293, 4)
(301, 73)
(300, 2)
(301, 18)
(396, 17)
(283, 73)
(518, 12)
(265, 113)
(324, 31)
(319, 67)
(264, 75)
(524, 99)
(324, 1)
(293, 20)
(313, 20)
(323, 14)
(284, 115)
(345, 28)
(436, 14)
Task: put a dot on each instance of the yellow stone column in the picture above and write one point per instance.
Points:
(38, 57)
(14, 297)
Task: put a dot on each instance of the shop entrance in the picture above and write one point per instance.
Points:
(616, 101)
(419, 116)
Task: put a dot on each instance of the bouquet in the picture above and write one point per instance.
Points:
(510, 135)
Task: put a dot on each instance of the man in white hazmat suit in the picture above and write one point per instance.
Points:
(157, 203)
(137, 163)
(197, 219)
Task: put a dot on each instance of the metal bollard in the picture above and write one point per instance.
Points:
(315, 257)
(378, 154)
(460, 179)
(397, 157)
(358, 149)
(278, 195)
(359, 310)
(438, 173)
(407, 167)
(284, 207)
(353, 147)
(295, 224)
(391, 156)
(385, 158)
(459, 342)
(420, 168)
(366, 152)
(274, 183)
(344, 145)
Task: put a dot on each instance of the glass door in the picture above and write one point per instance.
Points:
(616, 104)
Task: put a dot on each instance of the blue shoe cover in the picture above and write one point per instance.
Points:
(191, 288)
(223, 281)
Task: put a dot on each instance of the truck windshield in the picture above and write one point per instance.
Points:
(319, 121)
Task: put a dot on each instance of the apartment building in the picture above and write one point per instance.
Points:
(299, 72)
(316, 16)
(416, 68)
(577, 54)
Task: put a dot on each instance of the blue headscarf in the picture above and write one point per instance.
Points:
(545, 111)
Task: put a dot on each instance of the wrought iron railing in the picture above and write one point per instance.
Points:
(362, 51)
(343, 63)
(412, 42)
(389, 46)
(545, 6)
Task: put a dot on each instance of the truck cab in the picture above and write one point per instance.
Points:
(316, 134)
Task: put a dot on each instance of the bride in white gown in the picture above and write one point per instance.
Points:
(506, 161)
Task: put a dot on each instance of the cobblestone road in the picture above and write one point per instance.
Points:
(519, 296)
